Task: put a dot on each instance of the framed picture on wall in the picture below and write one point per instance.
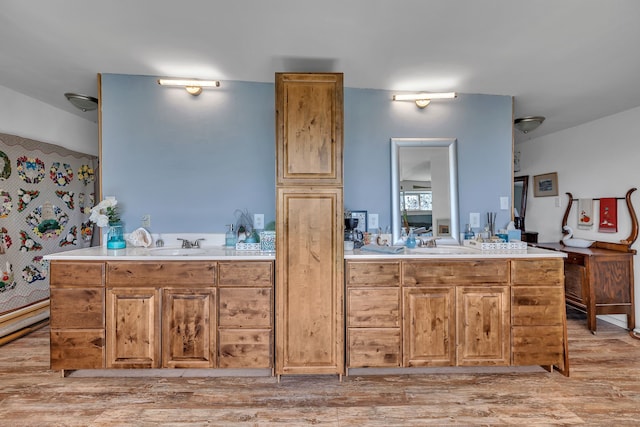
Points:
(443, 227)
(545, 185)
(362, 219)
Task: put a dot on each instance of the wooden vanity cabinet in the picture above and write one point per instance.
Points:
(374, 314)
(538, 322)
(77, 317)
(469, 312)
(456, 313)
(161, 314)
(245, 314)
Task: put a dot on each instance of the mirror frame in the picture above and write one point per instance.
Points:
(451, 144)
(525, 188)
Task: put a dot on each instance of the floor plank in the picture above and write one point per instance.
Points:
(603, 390)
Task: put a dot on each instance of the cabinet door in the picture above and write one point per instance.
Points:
(309, 281)
(133, 328)
(428, 326)
(309, 116)
(188, 328)
(483, 325)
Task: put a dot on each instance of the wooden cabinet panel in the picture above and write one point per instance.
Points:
(541, 272)
(373, 307)
(77, 308)
(538, 345)
(373, 274)
(77, 349)
(76, 273)
(374, 347)
(483, 325)
(133, 328)
(245, 348)
(536, 306)
(246, 274)
(245, 308)
(157, 273)
(309, 116)
(428, 326)
(309, 281)
(188, 328)
(437, 272)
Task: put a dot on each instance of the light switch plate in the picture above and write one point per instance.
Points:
(373, 222)
(146, 221)
(504, 203)
(474, 219)
(258, 221)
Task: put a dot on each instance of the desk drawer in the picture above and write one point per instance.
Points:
(577, 259)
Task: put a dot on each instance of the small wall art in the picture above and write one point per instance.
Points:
(545, 185)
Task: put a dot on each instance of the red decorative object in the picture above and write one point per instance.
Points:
(608, 215)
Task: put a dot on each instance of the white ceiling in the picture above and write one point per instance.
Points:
(572, 61)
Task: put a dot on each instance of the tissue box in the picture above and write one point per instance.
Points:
(514, 235)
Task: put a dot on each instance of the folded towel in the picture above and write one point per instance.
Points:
(383, 249)
(585, 213)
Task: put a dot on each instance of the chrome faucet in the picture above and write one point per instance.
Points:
(186, 244)
(426, 243)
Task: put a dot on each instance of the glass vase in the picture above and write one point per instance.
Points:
(115, 236)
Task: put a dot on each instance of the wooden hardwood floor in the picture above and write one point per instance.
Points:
(603, 389)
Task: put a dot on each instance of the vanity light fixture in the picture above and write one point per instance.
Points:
(527, 124)
(423, 99)
(194, 87)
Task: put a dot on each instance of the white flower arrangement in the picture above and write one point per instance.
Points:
(105, 213)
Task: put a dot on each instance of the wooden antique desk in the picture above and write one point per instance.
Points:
(598, 281)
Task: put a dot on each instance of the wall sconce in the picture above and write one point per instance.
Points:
(423, 99)
(194, 87)
(527, 124)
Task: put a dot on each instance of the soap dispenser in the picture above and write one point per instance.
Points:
(230, 236)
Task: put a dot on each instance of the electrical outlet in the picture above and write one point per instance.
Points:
(258, 221)
(373, 222)
(557, 202)
(146, 221)
(504, 203)
(474, 219)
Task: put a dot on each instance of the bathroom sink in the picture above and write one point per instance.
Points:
(443, 250)
(175, 252)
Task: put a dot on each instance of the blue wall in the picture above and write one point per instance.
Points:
(190, 162)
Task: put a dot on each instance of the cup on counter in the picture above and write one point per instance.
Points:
(348, 245)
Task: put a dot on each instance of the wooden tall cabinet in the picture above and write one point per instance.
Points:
(309, 224)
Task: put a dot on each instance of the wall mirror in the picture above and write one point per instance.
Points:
(520, 188)
(424, 187)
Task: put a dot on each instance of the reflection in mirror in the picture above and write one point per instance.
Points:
(520, 187)
(424, 187)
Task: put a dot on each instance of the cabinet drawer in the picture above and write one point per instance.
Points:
(537, 306)
(77, 349)
(373, 308)
(246, 274)
(539, 345)
(245, 307)
(577, 259)
(548, 272)
(373, 347)
(245, 348)
(85, 274)
(156, 274)
(373, 274)
(76, 308)
(426, 273)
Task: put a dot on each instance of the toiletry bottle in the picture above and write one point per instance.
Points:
(411, 239)
(468, 233)
(230, 236)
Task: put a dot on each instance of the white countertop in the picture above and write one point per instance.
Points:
(212, 253)
(455, 252)
(217, 253)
